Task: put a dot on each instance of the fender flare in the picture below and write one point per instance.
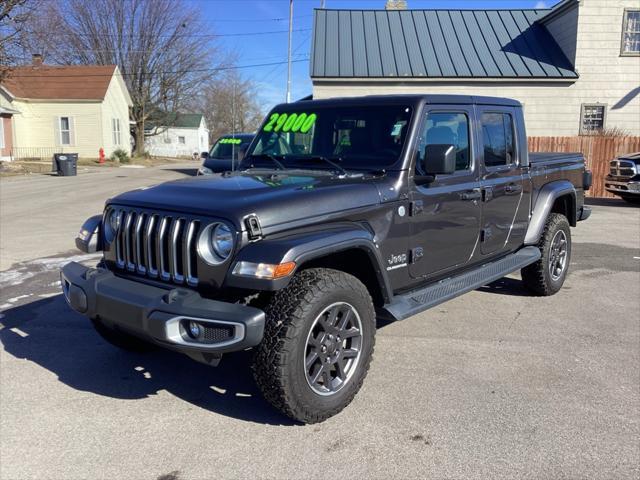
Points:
(301, 247)
(543, 205)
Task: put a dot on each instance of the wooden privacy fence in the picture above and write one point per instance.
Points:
(597, 151)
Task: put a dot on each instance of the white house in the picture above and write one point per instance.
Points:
(575, 67)
(186, 134)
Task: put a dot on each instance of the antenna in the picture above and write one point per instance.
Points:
(289, 54)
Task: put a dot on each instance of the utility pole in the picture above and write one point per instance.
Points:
(289, 54)
(321, 3)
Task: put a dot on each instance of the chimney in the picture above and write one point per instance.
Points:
(37, 59)
(396, 5)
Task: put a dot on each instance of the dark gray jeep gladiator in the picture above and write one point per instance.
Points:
(342, 211)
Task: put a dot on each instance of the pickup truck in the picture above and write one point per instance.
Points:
(342, 211)
(623, 179)
(225, 154)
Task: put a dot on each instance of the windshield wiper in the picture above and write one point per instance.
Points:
(335, 165)
(268, 156)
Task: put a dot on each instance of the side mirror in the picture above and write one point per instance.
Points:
(204, 155)
(439, 159)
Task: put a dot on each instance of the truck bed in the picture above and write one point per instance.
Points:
(540, 158)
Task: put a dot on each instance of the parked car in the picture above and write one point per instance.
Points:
(624, 177)
(341, 210)
(225, 154)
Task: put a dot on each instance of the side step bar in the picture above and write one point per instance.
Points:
(411, 303)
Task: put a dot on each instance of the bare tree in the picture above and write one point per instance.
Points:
(158, 45)
(229, 104)
(14, 15)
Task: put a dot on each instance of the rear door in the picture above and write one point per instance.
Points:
(445, 214)
(502, 177)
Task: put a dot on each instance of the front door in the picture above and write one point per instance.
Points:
(445, 214)
(502, 177)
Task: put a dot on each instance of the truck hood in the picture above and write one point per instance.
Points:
(275, 198)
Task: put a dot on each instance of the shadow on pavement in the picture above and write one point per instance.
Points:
(48, 333)
(190, 172)
(609, 202)
(507, 286)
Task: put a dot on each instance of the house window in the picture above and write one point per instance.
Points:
(115, 127)
(65, 131)
(592, 118)
(181, 140)
(497, 134)
(631, 33)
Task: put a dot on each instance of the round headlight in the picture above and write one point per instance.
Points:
(112, 224)
(222, 241)
(114, 220)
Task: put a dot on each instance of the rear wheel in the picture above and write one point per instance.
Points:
(120, 339)
(317, 345)
(547, 275)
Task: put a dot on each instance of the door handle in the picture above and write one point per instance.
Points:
(474, 194)
(513, 189)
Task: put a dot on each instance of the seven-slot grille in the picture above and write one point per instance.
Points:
(622, 168)
(157, 245)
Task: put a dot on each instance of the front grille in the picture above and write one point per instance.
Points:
(156, 245)
(622, 168)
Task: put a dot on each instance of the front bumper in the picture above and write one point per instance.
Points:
(161, 316)
(629, 187)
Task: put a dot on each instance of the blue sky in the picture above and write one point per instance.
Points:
(233, 17)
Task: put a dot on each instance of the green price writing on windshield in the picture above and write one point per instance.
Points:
(294, 122)
(233, 141)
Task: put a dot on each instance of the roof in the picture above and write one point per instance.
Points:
(177, 120)
(473, 44)
(558, 9)
(75, 82)
(242, 136)
(413, 99)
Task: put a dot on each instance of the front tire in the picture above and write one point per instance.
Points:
(317, 345)
(546, 276)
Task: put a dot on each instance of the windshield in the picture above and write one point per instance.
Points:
(349, 138)
(227, 147)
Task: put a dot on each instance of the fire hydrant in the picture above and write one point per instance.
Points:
(101, 155)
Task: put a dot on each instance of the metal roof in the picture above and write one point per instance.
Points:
(472, 44)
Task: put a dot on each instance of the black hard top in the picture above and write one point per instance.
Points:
(412, 99)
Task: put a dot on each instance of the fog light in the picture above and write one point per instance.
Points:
(195, 330)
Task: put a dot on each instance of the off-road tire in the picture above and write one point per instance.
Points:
(278, 362)
(537, 276)
(120, 339)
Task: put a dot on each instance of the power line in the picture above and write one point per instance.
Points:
(177, 72)
(196, 35)
(251, 20)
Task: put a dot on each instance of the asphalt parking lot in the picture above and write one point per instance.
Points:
(494, 384)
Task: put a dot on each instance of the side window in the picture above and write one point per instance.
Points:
(497, 134)
(447, 128)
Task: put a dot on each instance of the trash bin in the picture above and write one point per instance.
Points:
(66, 164)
